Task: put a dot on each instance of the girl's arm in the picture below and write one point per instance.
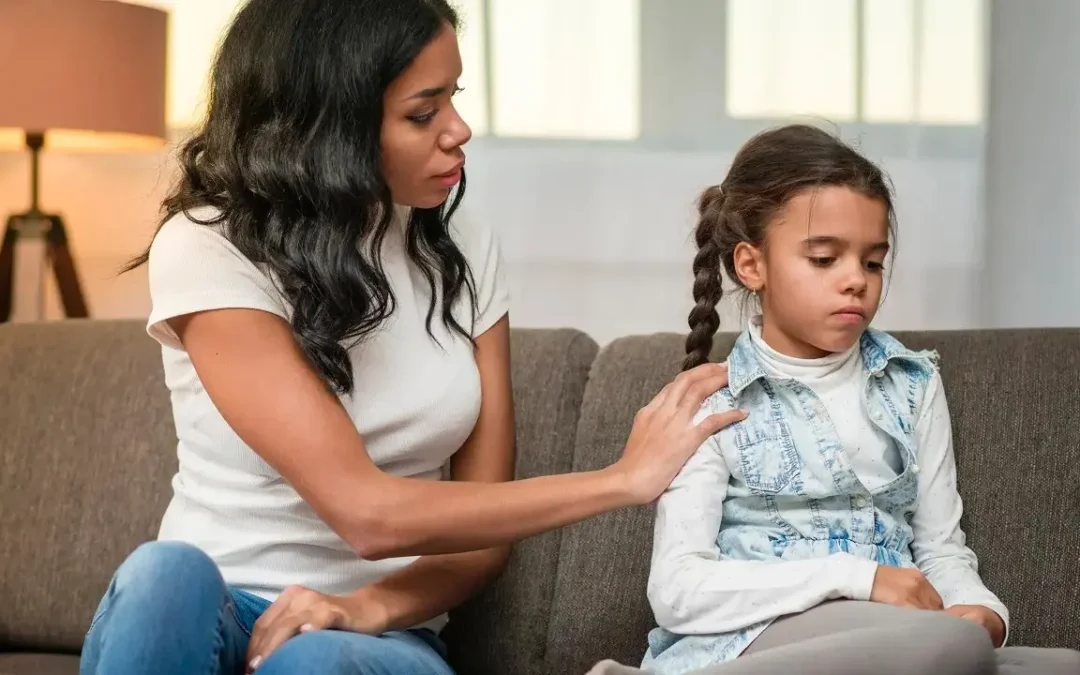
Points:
(939, 545)
(693, 590)
(265, 388)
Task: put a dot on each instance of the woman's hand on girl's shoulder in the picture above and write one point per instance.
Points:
(664, 435)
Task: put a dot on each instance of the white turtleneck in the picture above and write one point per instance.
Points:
(838, 380)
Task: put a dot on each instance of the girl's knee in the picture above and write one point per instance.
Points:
(954, 646)
(1060, 662)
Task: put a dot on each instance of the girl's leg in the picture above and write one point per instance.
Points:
(167, 611)
(330, 652)
(1031, 661)
(854, 638)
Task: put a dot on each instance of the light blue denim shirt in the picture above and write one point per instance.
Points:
(769, 517)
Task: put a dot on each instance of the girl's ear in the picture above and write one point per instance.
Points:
(750, 266)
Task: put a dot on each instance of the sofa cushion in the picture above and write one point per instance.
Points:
(38, 664)
(504, 629)
(1015, 405)
(86, 454)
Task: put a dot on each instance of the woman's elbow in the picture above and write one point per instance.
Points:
(374, 535)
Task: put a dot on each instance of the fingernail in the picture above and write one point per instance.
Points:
(255, 662)
(306, 628)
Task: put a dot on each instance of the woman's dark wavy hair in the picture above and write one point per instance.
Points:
(289, 158)
(771, 168)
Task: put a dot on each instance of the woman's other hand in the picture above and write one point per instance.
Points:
(302, 610)
(664, 435)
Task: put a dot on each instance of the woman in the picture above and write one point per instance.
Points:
(333, 342)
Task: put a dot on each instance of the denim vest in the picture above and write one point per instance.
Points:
(788, 452)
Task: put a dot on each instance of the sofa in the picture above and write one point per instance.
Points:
(87, 449)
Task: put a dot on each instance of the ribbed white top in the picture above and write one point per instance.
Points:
(415, 402)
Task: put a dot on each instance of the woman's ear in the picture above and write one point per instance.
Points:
(750, 266)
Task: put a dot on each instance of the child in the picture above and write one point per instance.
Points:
(821, 534)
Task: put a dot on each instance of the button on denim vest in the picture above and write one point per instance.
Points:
(788, 452)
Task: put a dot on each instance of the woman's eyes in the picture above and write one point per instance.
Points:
(423, 119)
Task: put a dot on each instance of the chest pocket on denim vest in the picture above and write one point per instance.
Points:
(767, 456)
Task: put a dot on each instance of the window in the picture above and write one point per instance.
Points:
(471, 102)
(565, 68)
(546, 72)
(878, 61)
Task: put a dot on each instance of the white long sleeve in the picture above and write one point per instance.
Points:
(694, 591)
(939, 547)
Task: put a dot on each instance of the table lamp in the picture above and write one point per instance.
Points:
(74, 75)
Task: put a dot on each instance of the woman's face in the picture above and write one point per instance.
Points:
(422, 133)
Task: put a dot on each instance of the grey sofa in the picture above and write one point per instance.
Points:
(87, 451)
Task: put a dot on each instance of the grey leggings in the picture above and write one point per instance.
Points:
(862, 638)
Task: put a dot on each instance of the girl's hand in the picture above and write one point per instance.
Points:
(904, 587)
(664, 435)
(985, 617)
(302, 610)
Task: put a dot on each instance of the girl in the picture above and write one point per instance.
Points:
(821, 534)
(333, 343)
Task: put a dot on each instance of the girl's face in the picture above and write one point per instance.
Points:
(422, 134)
(820, 275)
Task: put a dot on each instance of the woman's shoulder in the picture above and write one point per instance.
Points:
(189, 232)
(192, 267)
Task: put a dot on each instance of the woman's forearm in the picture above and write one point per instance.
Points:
(430, 586)
(404, 517)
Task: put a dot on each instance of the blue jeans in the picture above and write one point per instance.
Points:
(168, 611)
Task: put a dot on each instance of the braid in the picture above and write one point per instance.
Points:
(704, 320)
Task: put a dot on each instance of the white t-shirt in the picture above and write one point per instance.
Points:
(415, 402)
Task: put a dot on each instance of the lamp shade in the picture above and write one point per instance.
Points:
(87, 73)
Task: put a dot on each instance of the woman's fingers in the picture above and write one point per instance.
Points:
(714, 423)
(302, 611)
(690, 388)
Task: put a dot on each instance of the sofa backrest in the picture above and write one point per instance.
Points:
(88, 449)
(505, 628)
(1015, 406)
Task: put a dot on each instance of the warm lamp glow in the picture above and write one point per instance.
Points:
(71, 140)
(88, 74)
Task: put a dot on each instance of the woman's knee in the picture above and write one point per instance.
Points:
(162, 568)
(165, 602)
(160, 564)
(159, 573)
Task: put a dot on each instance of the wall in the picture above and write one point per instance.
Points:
(1031, 277)
(596, 236)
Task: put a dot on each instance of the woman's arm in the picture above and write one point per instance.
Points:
(939, 545)
(438, 583)
(266, 389)
(693, 590)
